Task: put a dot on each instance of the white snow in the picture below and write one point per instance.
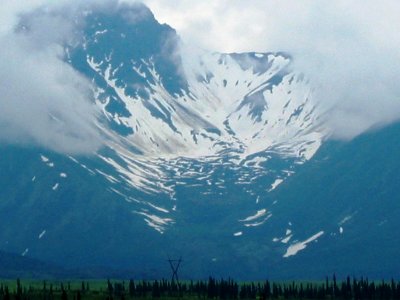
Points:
(239, 233)
(256, 161)
(138, 174)
(110, 178)
(156, 222)
(259, 214)
(100, 32)
(341, 230)
(138, 70)
(295, 248)
(259, 223)
(63, 175)
(275, 184)
(33, 178)
(55, 187)
(247, 113)
(158, 208)
(73, 159)
(286, 239)
(88, 169)
(285, 126)
(44, 158)
(25, 252)
(42, 234)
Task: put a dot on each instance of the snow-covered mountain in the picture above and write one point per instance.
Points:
(173, 109)
(197, 148)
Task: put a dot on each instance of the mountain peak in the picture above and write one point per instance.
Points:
(197, 154)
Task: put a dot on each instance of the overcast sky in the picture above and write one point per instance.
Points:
(348, 49)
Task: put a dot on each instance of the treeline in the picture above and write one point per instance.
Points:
(209, 289)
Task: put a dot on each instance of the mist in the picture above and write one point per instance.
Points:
(349, 50)
(44, 102)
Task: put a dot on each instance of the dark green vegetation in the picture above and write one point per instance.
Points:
(210, 289)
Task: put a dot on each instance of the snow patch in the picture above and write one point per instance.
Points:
(259, 214)
(229, 107)
(25, 252)
(275, 184)
(55, 187)
(100, 32)
(238, 233)
(295, 248)
(44, 158)
(259, 223)
(158, 208)
(42, 234)
(286, 239)
(109, 178)
(156, 222)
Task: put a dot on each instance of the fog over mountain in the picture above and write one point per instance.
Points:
(347, 51)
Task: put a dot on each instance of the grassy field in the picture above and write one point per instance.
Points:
(209, 289)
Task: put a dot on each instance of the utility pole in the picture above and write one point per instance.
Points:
(174, 264)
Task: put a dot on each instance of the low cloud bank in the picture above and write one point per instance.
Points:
(43, 101)
(348, 49)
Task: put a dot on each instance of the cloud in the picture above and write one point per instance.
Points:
(134, 12)
(348, 49)
(43, 101)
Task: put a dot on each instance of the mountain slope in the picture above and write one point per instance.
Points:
(215, 157)
(350, 191)
(174, 111)
(14, 266)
